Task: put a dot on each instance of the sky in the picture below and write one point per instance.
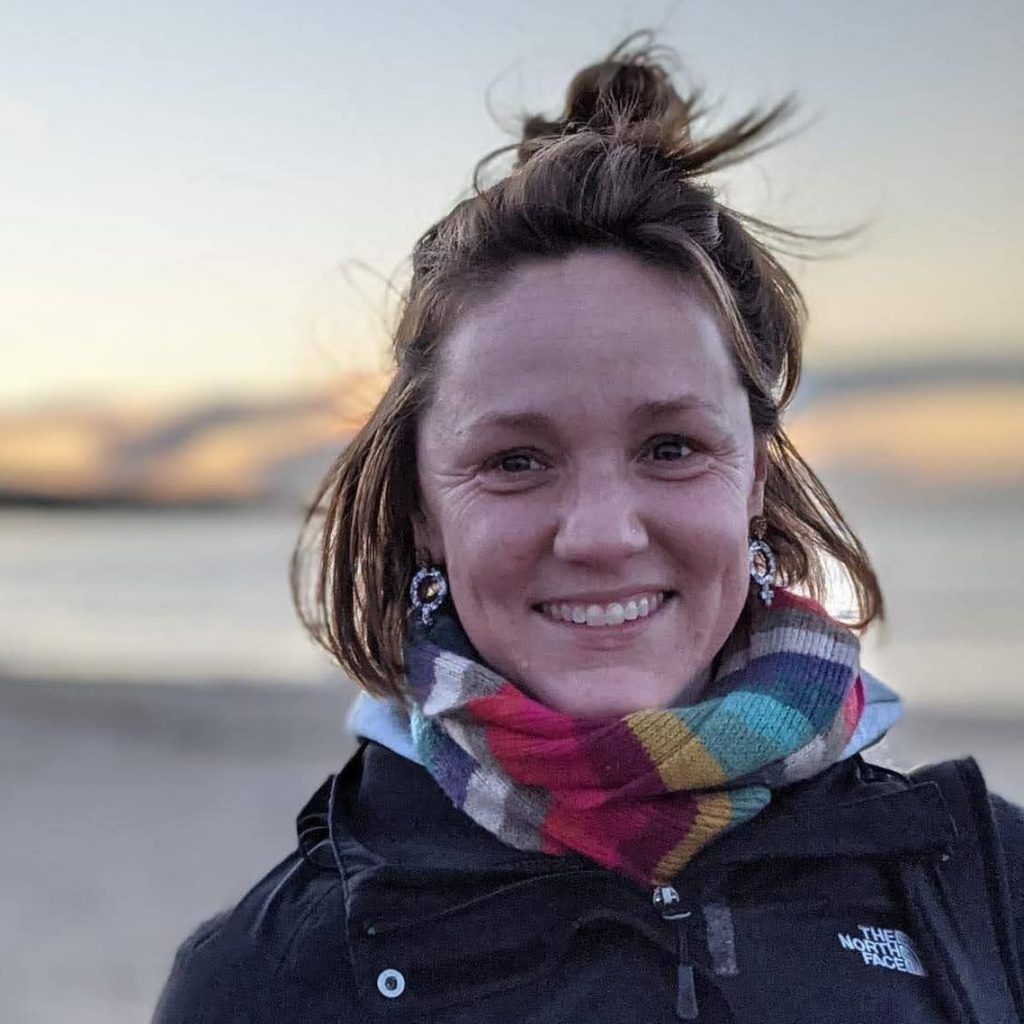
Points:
(200, 199)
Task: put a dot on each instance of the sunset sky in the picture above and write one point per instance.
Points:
(180, 183)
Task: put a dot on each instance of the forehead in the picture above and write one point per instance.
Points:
(593, 328)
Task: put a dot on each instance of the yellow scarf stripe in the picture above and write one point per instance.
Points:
(682, 760)
(714, 815)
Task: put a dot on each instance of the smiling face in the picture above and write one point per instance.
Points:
(589, 471)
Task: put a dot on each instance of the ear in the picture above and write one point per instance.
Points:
(755, 502)
(429, 545)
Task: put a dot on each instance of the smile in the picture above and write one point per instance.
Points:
(639, 606)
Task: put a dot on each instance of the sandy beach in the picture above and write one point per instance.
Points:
(132, 811)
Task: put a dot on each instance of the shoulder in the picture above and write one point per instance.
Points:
(998, 830)
(253, 962)
(1009, 822)
(1009, 819)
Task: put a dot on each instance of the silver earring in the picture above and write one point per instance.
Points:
(431, 579)
(762, 565)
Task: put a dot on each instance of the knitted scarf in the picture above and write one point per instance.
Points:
(641, 794)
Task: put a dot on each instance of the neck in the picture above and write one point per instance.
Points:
(695, 690)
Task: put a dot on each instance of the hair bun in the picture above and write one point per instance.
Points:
(629, 91)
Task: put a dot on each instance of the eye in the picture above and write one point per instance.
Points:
(515, 462)
(670, 448)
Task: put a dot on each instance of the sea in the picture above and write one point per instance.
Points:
(202, 597)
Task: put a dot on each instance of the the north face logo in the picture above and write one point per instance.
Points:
(884, 947)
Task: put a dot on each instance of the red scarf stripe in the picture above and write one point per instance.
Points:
(853, 707)
(643, 848)
(629, 837)
(533, 744)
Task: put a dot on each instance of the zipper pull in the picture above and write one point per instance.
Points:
(666, 899)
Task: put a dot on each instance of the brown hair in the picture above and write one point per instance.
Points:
(620, 168)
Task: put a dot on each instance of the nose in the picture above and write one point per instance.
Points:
(600, 520)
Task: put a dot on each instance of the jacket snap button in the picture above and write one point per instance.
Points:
(390, 983)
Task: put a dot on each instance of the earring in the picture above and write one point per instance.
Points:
(761, 562)
(432, 580)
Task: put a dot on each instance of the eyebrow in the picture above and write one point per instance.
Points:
(513, 421)
(538, 421)
(672, 406)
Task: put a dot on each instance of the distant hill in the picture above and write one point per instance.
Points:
(920, 425)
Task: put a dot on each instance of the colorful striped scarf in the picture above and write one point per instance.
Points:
(644, 793)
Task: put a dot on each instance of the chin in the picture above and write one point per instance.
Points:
(608, 693)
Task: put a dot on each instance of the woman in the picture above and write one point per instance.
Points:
(609, 765)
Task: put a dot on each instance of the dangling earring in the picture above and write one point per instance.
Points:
(431, 579)
(761, 560)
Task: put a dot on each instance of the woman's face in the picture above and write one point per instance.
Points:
(589, 471)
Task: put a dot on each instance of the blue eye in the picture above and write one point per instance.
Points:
(669, 449)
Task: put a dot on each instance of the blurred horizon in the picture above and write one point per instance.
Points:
(921, 426)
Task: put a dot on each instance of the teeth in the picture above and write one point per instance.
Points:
(613, 614)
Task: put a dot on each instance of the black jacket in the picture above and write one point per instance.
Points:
(847, 900)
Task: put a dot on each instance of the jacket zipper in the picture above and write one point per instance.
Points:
(666, 900)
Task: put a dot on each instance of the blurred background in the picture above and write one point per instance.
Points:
(201, 205)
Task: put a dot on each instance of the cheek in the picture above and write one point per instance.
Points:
(491, 549)
(708, 526)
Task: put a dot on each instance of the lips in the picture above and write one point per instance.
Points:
(614, 613)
